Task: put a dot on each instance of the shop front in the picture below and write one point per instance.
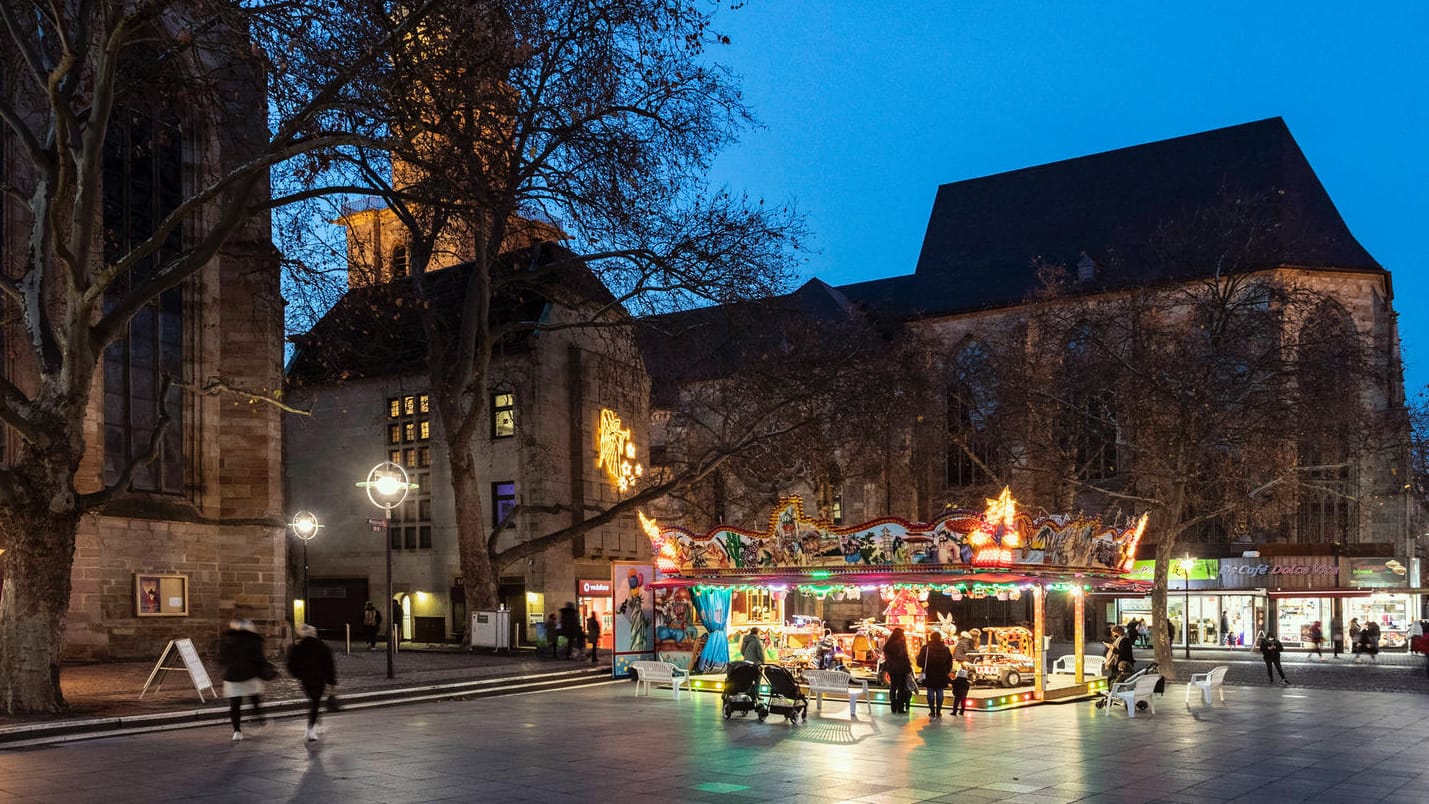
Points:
(594, 597)
(1385, 585)
(713, 590)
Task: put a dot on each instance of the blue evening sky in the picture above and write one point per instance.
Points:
(869, 106)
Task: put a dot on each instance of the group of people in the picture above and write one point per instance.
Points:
(940, 667)
(246, 669)
(568, 625)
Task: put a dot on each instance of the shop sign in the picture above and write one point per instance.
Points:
(1205, 569)
(1378, 573)
(1281, 572)
(594, 588)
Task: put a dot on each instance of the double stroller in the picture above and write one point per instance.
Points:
(742, 693)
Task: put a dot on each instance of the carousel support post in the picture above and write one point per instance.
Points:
(1039, 611)
(1079, 630)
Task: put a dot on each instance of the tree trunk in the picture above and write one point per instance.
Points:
(33, 606)
(477, 570)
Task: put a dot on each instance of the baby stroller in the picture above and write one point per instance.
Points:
(785, 697)
(1149, 667)
(741, 690)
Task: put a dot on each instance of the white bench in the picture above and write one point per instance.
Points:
(1091, 665)
(648, 674)
(837, 682)
(1131, 693)
(1205, 682)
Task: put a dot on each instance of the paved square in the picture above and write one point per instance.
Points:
(604, 744)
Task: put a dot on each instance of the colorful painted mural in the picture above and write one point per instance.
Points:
(634, 614)
(998, 537)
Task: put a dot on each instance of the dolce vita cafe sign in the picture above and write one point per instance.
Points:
(1250, 573)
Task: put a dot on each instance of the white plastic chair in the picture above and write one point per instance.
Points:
(1131, 693)
(1205, 682)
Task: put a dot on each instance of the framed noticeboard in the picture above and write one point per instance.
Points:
(161, 595)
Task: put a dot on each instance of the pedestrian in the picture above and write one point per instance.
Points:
(371, 621)
(1121, 657)
(1369, 641)
(752, 647)
(1270, 650)
(1355, 631)
(571, 628)
(240, 650)
(1317, 635)
(553, 633)
(961, 686)
(962, 648)
(899, 667)
(937, 663)
(1337, 635)
(310, 662)
(592, 635)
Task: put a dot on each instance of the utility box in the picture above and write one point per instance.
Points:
(491, 629)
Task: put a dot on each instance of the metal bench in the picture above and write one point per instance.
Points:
(648, 673)
(837, 682)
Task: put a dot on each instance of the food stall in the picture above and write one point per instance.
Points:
(732, 579)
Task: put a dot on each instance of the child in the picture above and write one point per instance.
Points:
(961, 685)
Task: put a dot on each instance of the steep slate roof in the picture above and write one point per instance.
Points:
(712, 342)
(985, 235)
(374, 331)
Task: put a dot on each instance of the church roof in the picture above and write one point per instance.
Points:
(986, 236)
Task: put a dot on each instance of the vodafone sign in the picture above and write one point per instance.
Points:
(594, 588)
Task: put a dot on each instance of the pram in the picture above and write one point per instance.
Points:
(741, 690)
(1148, 668)
(785, 697)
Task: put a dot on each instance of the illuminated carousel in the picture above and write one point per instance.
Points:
(706, 592)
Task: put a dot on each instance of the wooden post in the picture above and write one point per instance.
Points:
(1039, 610)
(1079, 630)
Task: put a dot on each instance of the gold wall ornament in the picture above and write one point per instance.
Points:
(615, 452)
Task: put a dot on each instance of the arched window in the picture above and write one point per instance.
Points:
(1088, 425)
(399, 262)
(972, 446)
(1324, 366)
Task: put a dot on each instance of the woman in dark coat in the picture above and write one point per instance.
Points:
(311, 663)
(240, 650)
(899, 667)
(937, 663)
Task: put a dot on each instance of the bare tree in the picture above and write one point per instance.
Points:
(591, 123)
(1220, 396)
(177, 84)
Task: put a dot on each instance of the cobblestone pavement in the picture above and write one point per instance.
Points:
(605, 744)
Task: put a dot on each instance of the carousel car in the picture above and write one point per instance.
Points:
(999, 668)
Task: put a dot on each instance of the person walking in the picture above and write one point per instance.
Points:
(571, 627)
(1355, 631)
(1270, 650)
(371, 621)
(962, 685)
(553, 633)
(592, 635)
(310, 662)
(240, 650)
(899, 667)
(751, 648)
(1337, 635)
(937, 663)
(1317, 635)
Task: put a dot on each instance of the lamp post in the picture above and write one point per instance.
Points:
(1187, 564)
(305, 526)
(387, 486)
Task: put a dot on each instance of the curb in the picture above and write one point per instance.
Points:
(91, 728)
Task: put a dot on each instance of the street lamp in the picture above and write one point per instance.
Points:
(305, 526)
(387, 486)
(1187, 564)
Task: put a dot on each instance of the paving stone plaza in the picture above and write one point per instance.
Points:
(604, 744)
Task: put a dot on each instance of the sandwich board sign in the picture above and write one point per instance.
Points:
(182, 651)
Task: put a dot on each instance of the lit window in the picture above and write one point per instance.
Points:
(503, 415)
(503, 499)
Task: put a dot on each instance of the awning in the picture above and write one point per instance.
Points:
(1133, 588)
(1340, 592)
